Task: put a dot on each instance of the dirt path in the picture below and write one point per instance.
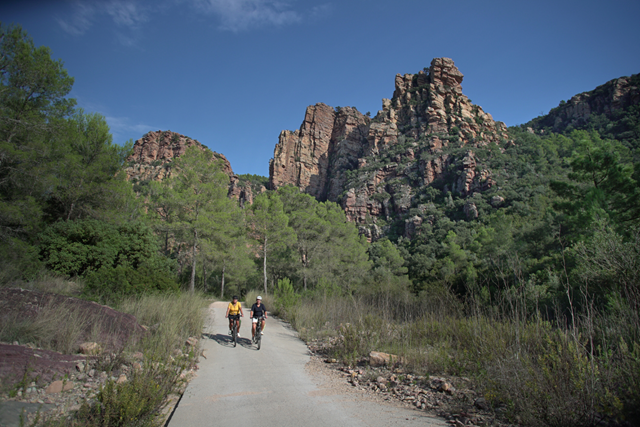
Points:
(279, 385)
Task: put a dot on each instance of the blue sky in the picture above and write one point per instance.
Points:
(234, 73)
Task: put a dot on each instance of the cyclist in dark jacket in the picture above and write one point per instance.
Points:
(258, 311)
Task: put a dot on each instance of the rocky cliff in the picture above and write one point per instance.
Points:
(315, 156)
(153, 157)
(608, 100)
(376, 167)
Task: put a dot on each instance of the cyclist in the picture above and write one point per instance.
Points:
(234, 312)
(258, 311)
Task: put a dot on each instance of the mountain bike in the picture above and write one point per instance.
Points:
(257, 338)
(234, 330)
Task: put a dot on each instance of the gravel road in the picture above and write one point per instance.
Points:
(275, 386)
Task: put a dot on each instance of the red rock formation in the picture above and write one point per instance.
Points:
(153, 156)
(428, 107)
(154, 152)
(315, 156)
(431, 105)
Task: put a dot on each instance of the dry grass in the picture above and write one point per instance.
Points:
(50, 283)
(58, 327)
(171, 319)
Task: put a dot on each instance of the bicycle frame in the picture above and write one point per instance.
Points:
(234, 330)
(257, 338)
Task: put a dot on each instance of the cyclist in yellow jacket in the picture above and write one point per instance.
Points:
(234, 311)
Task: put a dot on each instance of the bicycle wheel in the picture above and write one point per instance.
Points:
(258, 335)
(235, 333)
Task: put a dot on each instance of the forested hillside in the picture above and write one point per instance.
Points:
(429, 231)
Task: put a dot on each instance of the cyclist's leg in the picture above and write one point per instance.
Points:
(253, 328)
(262, 323)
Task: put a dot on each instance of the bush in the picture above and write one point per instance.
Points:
(285, 297)
(558, 384)
(136, 402)
(114, 283)
(18, 261)
(75, 248)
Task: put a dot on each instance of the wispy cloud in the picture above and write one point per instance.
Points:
(127, 15)
(80, 21)
(242, 15)
(321, 11)
(233, 15)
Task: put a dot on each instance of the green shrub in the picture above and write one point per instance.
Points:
(18, 261)
(285, 297)
(136, 402)
(75, 248)
(115, 283)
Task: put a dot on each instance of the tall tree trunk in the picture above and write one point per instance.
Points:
(304, 271)
(70, 210)
(265, 265)
(192, 285)
(204, 275)
(222, 282)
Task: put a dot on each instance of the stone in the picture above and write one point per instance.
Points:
(58, 386)
(497, 201)
(446, 387)
(411, 226)
(481, 403)
(377, 358)
(90, 348)
(191, 342)
(121, 379)
(470, 210)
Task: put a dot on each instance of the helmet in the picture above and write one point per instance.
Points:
(258, 297)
